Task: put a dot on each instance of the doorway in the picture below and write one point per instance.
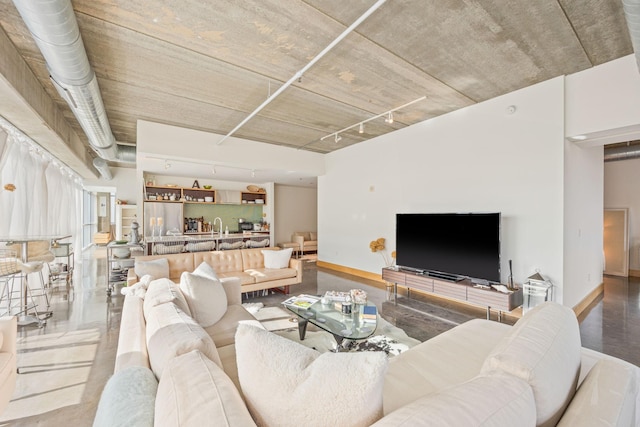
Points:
(616, 242)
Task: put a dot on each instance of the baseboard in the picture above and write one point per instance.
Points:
(634, 273)
(588, 300)
(353, 271)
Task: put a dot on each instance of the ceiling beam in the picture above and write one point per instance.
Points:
(25, 103)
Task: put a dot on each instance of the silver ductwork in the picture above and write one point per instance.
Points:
(621, 153)
(101, 165)
(54, 28)
(632, 13)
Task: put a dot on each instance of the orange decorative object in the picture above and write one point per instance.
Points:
(9, 187)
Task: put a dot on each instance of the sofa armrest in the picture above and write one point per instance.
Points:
(299, 240)
(9, 331)
(233, 290)
(297, 264)
(132, 278)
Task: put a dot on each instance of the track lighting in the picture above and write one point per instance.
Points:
(388, 118)
(338, 138)
(253, 173)
(167, 165)
(213, 170)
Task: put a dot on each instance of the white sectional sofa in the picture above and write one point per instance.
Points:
(479, 373)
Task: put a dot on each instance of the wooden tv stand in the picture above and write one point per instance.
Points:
(463, 290)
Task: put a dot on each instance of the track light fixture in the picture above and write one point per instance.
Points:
(213, 170)
(253, 173)
(388, 115)
(338, 138)
(167, 165)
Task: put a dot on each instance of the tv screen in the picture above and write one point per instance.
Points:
(466, 244)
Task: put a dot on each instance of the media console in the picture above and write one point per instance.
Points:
(462, 290)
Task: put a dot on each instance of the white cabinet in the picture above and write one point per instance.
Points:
(125, 215)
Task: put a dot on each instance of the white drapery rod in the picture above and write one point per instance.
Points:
(299, 74)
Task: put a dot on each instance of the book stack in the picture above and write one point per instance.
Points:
(369, 313)
(301, 301)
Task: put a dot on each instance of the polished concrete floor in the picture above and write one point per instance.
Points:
(65, 364)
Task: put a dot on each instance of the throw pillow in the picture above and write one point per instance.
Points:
(313, 236)
(277, 259)
(162, 291)
(206, 298)
(205, 270)
(194, 391)
(543, 349)
(156, 268)
(128, 399)
(287, 384)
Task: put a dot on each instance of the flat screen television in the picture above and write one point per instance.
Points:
(452, 246)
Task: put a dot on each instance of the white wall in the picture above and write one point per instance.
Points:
(296, 210)
(583, 221)
(603, 97)
(124, 181)
(621, 191)
(479, 159)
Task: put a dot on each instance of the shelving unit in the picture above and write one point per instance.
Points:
(250, 197)
(125, 215)
(178, 194)
(117, 268)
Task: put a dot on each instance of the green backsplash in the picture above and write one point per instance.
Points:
(229, 214)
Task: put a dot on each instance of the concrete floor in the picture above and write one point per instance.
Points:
(65, 364)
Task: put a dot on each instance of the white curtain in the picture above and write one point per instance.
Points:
(47, 196)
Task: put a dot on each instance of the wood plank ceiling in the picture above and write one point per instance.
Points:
(206, 65)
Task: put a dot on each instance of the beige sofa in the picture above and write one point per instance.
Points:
(245, 264)
(306, 240)
(8, 363)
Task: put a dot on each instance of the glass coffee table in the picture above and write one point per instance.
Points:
(331, 318)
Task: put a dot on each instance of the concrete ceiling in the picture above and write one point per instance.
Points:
(206, 65)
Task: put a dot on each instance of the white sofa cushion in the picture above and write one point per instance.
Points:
(287, 384)
(171, 333)
(543, 349)
(498, 401)
(277, 259)
(163, 291)
(156, 268)
(607, 397)
(205, 296)
(128, 399)
(205, 270)
(194, 391)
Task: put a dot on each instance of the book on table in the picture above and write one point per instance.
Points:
(369, 313)
(302, 301)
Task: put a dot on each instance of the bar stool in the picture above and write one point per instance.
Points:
(8, 270)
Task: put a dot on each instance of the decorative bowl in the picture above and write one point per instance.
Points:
(206, 187)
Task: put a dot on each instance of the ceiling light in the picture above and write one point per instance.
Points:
(361, 128)
(338, 138)
(167, 165)
(253, 173)
(389, 118)
(578, 138)
(213, 170)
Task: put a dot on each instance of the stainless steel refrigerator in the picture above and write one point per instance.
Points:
(162, 217)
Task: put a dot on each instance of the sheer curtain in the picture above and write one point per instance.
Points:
(47, 196)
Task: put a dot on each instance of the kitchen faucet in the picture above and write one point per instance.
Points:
(214, 223)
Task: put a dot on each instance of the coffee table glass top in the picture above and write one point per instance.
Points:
(331, 318)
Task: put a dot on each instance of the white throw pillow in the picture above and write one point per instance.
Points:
(206, 298)
(205, 270)
(543, 349)
(287, 384)
(277, 259)
(156, 268)
(162, 291)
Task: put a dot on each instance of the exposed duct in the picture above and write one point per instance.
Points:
(101, 165)
(621, 153)
(632, 13)
(54, 28)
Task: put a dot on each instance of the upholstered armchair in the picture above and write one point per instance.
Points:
(307, 240)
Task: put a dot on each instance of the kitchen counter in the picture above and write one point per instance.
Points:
(197, 242)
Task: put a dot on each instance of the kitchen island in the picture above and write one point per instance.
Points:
(199, 242)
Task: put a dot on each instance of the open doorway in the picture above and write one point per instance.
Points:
(616, 242)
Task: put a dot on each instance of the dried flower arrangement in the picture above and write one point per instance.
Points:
(378, 246)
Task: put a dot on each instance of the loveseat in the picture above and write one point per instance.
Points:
(306, 240)
(246, 264)
(479, 373)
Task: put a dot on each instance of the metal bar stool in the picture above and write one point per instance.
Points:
(8, 270)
